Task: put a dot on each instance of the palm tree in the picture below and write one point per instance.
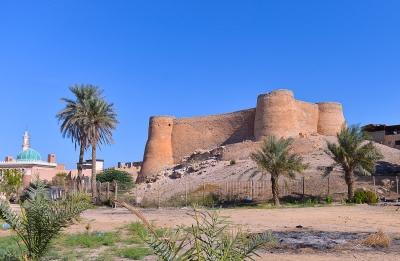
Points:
(41, 219)
(71, 116)
(274, 157)
(98, 124)
(352, 153)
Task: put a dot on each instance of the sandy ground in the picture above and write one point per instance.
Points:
(347, 219)
(362, 219)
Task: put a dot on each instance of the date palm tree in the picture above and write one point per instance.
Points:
(98, 124)
(41, 219)
(274, 156)
(71, 117)
(352, 152)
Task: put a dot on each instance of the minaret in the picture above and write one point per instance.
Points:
(25, 140)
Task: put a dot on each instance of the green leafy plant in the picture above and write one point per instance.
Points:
(60, 179)
(121, 177)
(210, 238)
(232, 162)
(41, 218)
(13, 180)
(365, 196)
(329, 199)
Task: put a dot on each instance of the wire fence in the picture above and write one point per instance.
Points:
(233, 192)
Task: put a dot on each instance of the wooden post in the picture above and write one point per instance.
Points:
(328, 186)
(158, 193)
(204, 193)
(116, 193)
(373, 177)
(252, 190)
(226, 191)
(99, 192)
(397, 185)
(303, 188)
(108, 190)
(186, 192)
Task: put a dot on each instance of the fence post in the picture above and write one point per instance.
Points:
(226, 191)
(100, 191)
(116, 193)
(328, 186)
(252, 190)
(204, 193)
(108, 190)
(158, 192)
(303, 188)
(373, 177)
(397, 184)
(186, 192)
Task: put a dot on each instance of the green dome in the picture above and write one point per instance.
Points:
(29, 155)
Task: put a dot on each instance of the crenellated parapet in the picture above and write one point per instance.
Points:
(277, 113)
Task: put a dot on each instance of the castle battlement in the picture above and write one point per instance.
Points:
(277, 113)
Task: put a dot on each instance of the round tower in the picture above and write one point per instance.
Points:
(158, 151)
(330, 118)
(276, 114)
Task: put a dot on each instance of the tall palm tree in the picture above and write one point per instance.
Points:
(274, 157)
(98, 124)
(352, 153)
(71, 116)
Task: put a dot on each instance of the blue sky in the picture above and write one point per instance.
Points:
(190, 58)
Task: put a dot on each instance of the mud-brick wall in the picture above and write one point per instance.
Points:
(190, 134)
(330, 118)
(158, 151)
(307, 115)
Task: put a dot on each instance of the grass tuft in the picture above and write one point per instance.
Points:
(379, 239)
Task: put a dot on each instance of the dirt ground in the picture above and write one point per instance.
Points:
(354, 222)
(359, 221)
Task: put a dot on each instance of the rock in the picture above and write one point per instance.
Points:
(385, 182)
(176, 175)
(138, 200)
(149, 185)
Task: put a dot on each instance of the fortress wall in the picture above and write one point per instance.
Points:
(330, 118)
(307, 115)
(276, 114)
(158, 151)
(206, 132)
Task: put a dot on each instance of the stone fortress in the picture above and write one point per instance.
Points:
(170, 140)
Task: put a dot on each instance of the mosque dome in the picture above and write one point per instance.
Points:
(29, 155)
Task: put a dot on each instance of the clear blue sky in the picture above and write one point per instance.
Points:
(190, 58)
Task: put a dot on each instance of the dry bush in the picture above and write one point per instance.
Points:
(379, 239)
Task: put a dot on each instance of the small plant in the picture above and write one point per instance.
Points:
(329, 199)
(315, 201)
(361, 196)
(309, 202)
(41, 218)
(232, 162)
(210, 238)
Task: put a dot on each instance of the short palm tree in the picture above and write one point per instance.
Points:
(71, 116)
(353, 152)
(274, 157)
(41, 218)
(98, 124)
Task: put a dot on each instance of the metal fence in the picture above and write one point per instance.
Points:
(238, 192)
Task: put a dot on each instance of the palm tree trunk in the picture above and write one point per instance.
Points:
(80, 163)
(94, 184)
(275, 189)
(349, 176)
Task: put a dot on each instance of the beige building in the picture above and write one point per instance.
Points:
(383, 134)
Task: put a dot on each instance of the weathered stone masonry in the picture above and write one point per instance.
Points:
(277, 113)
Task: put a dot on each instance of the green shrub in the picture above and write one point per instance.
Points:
(361, 196)
(111, 175)
(329, 199)
(232, 162)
